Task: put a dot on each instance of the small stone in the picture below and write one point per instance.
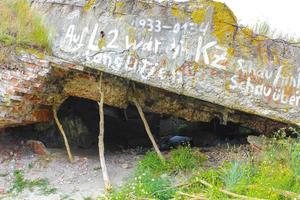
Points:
(2, 191)
(19, 165)
(125, 166)
(37, 147)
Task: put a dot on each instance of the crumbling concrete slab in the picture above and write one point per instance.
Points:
(189, 59)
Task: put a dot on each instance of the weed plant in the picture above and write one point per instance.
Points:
(22, 26)
(274, 174)
(20, 184)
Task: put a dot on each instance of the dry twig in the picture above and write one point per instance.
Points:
(288, 194)
(285, 193)
(192, 196)
(203, 182)
(148, 130)
(107, 184)
(63, 134)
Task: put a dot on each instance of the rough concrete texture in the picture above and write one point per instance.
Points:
(188, 59)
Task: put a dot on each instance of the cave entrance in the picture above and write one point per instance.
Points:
(80, 120)
(124, 128)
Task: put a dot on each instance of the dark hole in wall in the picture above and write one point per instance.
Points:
(124, 128)
(80, 120)
(205, 134)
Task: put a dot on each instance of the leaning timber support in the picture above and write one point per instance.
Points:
(148, 129)
(107, 184)
(63, 134)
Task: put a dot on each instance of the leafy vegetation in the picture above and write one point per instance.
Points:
(271, 174)
(153, 178)
(21, 26)
(20, 184)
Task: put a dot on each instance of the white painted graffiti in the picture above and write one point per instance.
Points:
(272, 85)
(175, 44)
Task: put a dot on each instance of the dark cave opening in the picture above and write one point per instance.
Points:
(124, 128)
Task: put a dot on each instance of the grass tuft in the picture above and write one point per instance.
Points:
(271, 174)
(20, 184)
(184, 159)
(232, 175)
(153, 178)
(263, 28)
(22, 26)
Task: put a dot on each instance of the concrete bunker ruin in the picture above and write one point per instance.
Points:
(194, 64)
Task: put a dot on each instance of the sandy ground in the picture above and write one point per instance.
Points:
(225, 153)
(73, 181)
(83, 178)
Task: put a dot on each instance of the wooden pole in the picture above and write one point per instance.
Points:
(203, 182)
(107, 184)
(63, 134)
(148, 130)
(193, 197)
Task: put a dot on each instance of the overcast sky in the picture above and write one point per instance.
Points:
(283, 16)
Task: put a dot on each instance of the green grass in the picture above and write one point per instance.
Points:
(153, 178)
(185, 159)
(20, 184)
(87, 198)
(145, 185)
(233, 174)
(182, 159)
(271, 174)
(22, 26)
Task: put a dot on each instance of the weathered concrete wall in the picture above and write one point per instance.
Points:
(194, 49)
(196, 62)
(28, 94)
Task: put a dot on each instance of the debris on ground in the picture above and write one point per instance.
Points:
(74, 181)
(37, 147)
(169, 142)
(80, 179)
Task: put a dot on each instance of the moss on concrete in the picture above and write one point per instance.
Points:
(224, 23)
(178, 12)
(88, 5)
(198, 15)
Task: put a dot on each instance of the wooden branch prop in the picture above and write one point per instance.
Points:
(148, 130)
(288, 194)
(194, 197)
(203, 182)
(285, 193)
(63, 134)
(107, 184)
